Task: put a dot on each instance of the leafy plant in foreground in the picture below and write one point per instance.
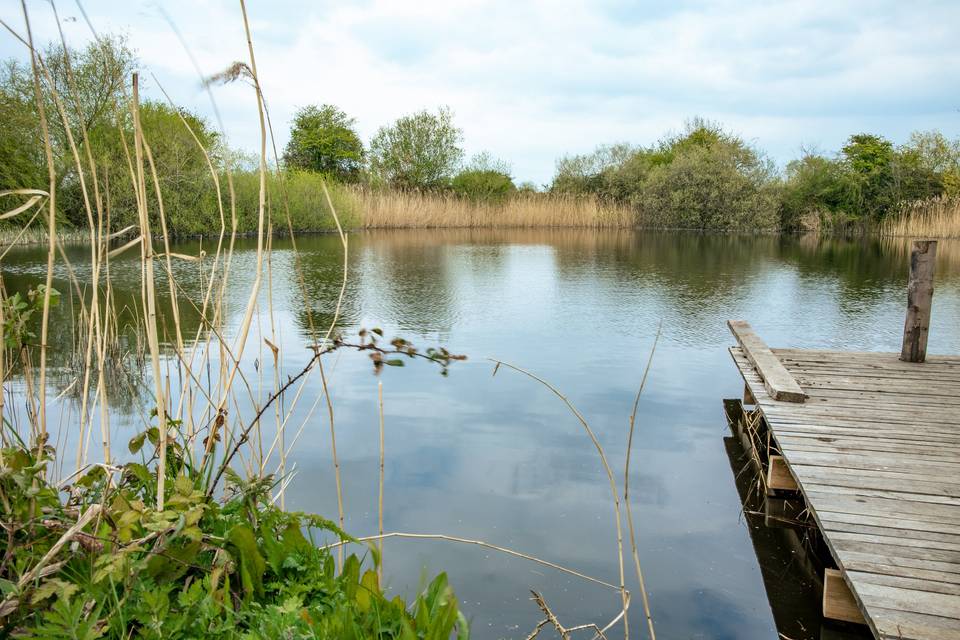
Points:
(230, 568)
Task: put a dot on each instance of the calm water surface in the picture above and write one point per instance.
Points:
(500, 458)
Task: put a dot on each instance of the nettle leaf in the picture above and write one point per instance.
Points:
(252, 564)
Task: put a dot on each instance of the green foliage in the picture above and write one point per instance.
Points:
(419, 151)
(298, 192)
(21, 315)
(483, 185)
(710, 182)
(221, 569)
(100, 77)
(324, 139)
(484, 180)
(703, 178)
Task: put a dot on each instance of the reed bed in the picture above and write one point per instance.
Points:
(387, 209)
(931, 218)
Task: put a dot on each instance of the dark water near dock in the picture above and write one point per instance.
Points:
(500, 459)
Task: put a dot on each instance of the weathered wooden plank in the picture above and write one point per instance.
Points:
(904, 625)
(779, 384)
(838, 601)
(859, 562)
(825, 517)
(900, 551)
(879, 493)
(915, 510)
(891, 538)
(896, 598)
(916, 328)
(866, 479)
(905, 582)
(876, 461)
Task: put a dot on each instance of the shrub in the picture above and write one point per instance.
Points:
(483, 185)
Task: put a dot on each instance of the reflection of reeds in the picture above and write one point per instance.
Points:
(933, 218)
(397, 209)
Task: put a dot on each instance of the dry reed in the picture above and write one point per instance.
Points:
(931, 218)
(399, 209)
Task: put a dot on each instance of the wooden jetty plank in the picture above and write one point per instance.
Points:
(777, 382)
(904, 625)
(875, 450)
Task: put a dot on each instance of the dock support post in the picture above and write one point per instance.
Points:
(838, 601)
(919, 298)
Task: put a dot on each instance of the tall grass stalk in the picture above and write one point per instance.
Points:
(626, 488)
(51, 231)
(615, 493)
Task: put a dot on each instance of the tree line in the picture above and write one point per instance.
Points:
(703, 177)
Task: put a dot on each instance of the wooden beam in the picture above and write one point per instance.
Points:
(748, 395)
(779, 476)
(776, 379)
(923, 258)
(838, 600)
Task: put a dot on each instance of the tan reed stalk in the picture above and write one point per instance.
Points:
(333, 453)
(380, 505)
(94, 328)
(261, 210)
(150, 306)
(41, 426)
(626, 489)
(405, 209)
(96, 251)
(625, 598)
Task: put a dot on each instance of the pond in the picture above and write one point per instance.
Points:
(500, 458)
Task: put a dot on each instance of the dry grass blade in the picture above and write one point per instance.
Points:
(625, 597)
(479, 543)
(24, 207)
(626, 487)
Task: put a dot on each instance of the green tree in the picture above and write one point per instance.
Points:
(91, 89)
(419, 151)
(818, 191)
(324, 139)
(870, 159)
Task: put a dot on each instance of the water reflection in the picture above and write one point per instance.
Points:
(499, 458)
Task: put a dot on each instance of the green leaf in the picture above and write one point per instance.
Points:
(252, 564)
(136, 442)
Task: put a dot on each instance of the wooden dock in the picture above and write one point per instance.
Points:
(872, 443)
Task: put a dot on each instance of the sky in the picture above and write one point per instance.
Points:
(529, 82)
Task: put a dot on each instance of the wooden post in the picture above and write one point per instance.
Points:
(919, 298)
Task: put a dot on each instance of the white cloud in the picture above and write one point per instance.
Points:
(530, 81)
